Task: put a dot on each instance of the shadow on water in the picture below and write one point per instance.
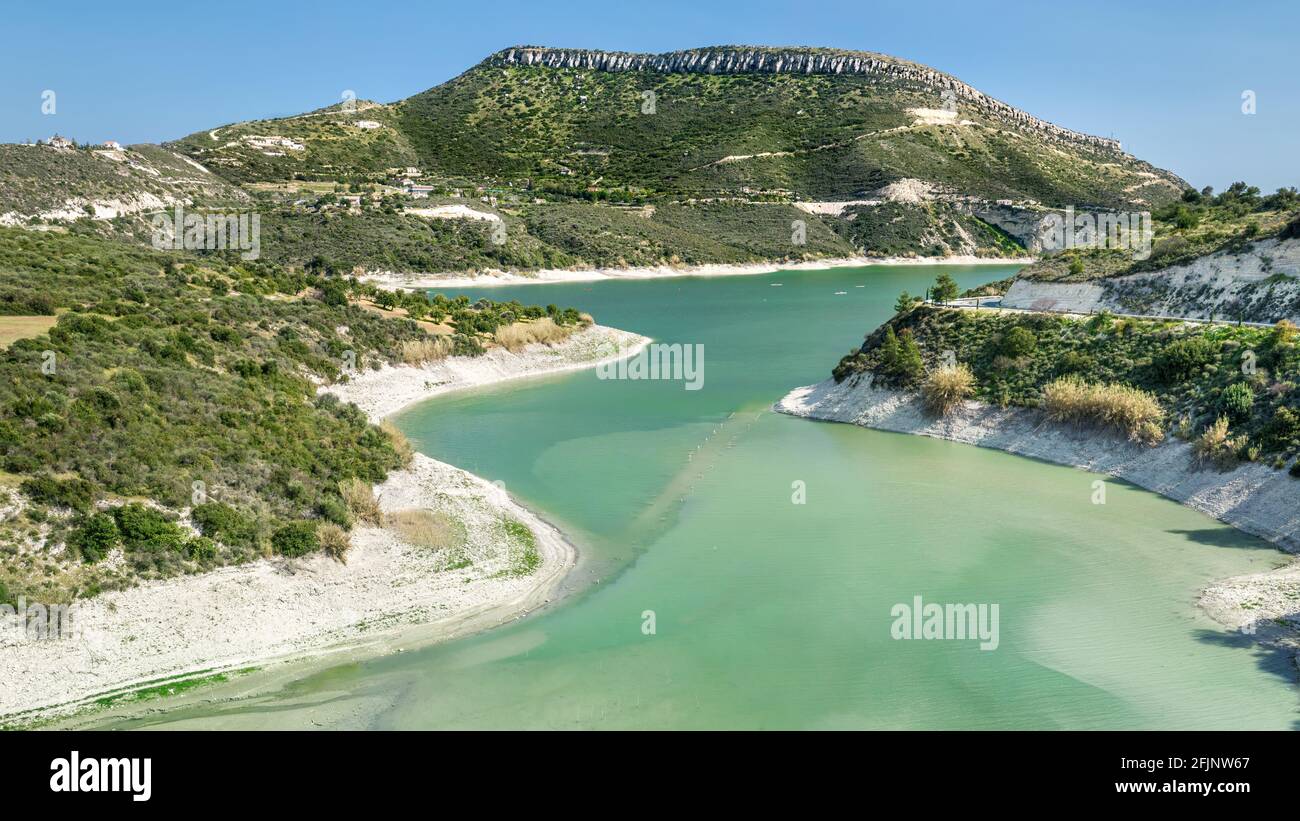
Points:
(1273, 659)
(1222, 537)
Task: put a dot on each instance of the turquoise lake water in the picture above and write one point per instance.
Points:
(769, 613)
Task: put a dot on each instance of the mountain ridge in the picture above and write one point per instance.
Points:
(780, 60)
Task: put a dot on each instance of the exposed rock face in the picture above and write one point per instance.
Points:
(1260, 283)
(1252, 497)
(748, 60)
(1024, 223)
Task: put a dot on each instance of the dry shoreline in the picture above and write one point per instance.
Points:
(394, 280)
(273, 612)
(1254, 498)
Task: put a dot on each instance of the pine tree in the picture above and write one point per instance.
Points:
(945, 288)
(910, 365)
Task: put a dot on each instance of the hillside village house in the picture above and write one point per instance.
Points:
(417, 191)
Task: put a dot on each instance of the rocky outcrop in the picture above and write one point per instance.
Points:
(749, 60)
(1260, 283)
(1023, 223)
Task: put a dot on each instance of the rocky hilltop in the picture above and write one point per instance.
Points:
(750, 60)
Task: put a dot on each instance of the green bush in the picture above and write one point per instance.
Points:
(201, 549)
(1018, 342)
(1237, 401)
(900, 356)
(94, 537)
(334, 510)
(146, 529)
(295, 539)
(220, 521)
(74, 494)
(1075, 362)
(1184, 358)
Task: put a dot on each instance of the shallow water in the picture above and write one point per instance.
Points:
(768, 613)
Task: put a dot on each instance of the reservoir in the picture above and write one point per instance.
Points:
(738, 568)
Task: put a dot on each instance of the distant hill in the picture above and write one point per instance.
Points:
(594, 158)
(48, 183)
(360, 139)
(818, 123)
(809, 123)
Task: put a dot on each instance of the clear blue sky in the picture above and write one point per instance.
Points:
(1166, 78)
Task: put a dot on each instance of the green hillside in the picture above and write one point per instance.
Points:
(1150, 379)
(595, 159)
(827, 137)
(562, 122)
(359, 141)
(163, 370)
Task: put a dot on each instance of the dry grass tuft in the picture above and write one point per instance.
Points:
(334, 541)
(519, 335)
(1217, 446)
(360, 499)
(426, 528)
(422, 351)
(402, 445)
(946, 388)
(1128, 410)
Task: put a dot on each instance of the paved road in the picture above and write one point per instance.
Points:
(992, 303)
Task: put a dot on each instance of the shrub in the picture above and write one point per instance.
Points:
(295, 539)
(1183, 358)
(145, 529)
(946, 388)
(334, 510)
(1018, 342)
(360, 499)
(905, 303)
(74, 494)
(1295, 469)
(94, 537)
(1075, 362)
(425, 528)
(1102, 321)
(1216, 445)
(900, 356)
(1123, 408)
(222, 522)
(334, 541)
(1283, 430)
(201, 549)
(1283, 333)
(1237, 401)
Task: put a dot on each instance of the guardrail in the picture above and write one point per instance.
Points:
(976, 303)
